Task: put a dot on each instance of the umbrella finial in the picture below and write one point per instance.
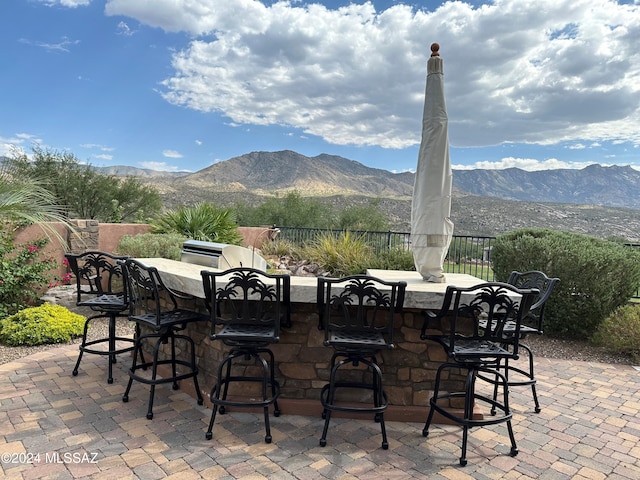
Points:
(435, 47)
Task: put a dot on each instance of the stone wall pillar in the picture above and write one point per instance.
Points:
(86, 236)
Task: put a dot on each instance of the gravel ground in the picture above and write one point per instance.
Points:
(542, 346)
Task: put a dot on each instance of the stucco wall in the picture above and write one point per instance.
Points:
(88, 235)
(91, 235)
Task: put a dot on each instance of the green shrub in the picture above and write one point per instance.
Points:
(620, 331)
(38, 325)
(393, 259)
(151, 245)
(23, 273)
(596, 276)
(281, 248)
(200, 222)
(340, 256)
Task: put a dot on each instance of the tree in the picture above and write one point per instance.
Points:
(84, 192)
(292, 210)
(363, 217)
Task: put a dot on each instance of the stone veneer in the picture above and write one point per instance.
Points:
(302, 365)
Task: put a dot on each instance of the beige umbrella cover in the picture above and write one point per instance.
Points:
(431, 227)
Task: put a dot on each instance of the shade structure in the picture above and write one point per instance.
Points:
(431, 227)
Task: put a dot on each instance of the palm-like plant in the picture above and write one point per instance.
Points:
(26, 200)
(200, 222)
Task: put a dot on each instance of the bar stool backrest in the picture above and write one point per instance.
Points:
(480, 314)
(150, 300)
(545, 284)
(248, 302)
(97, 274)
(358, 305)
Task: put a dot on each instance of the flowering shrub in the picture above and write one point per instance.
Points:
(23, 273)
(38, 325)
(65, 279)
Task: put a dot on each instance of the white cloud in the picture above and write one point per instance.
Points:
(171, 154)
(198, 142)
(62, 46)
(97, 146)
(529, 164)
(66, 3)
(123, 29)
(539, 72)
(104, 156)
(17, 143)
(161, 167)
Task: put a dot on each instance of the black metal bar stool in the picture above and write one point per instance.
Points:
(100, 286)
(247, 308)
(154, 308)
(477, 349)
(357, 315)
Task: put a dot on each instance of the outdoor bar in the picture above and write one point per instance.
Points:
(302, 361)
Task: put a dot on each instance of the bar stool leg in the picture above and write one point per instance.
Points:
(112, 347)
(378, 399)
(81, 347)
(329, 391)
(154, 376)
(433, 401)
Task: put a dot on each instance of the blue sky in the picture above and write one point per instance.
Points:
(182, 84)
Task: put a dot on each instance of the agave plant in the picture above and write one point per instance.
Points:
(200, 222)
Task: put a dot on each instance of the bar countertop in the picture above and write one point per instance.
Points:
(185, 277)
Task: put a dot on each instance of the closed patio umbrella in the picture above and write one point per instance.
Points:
(431, 227)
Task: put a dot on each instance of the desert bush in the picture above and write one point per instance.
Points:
(281, 248)
(200, 222)
(292, 209)
(596, 276)
(151, 245)
(340, 255)
(393, 259)
(38, 325)
(620, 331)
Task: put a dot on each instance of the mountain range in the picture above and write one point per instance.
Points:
(268, 172)
(597, 200)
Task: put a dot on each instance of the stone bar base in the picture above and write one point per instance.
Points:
(302, 360)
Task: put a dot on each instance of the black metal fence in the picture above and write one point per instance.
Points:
(467, 254)
(378, 240)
